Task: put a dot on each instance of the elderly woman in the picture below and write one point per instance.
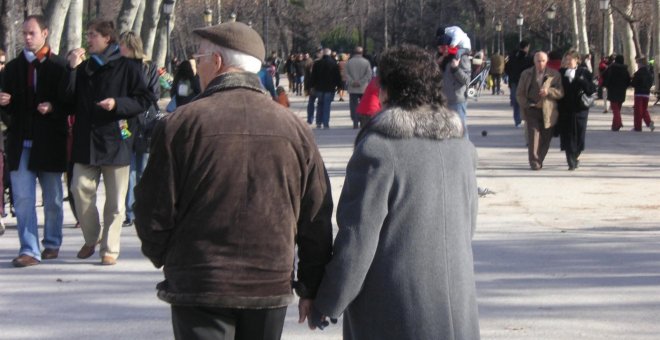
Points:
(575, 80)
(402, 266)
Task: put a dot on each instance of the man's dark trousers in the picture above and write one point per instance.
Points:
(192, 322)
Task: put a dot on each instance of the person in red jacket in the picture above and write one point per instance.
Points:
(370, 103)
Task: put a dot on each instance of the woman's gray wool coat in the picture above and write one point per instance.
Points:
(402, 266)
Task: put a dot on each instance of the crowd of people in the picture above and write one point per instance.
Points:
(223, 190)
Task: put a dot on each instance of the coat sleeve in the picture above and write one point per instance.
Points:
(314, 236)
(464, 70)
(138, 98)
(521, 93)
(155, 198)
(363, 208)
(555, 88)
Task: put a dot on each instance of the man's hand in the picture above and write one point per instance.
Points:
(45, 108)
(5, 98)
(314, 318)
(75, 57)
(107, 104)
(455, 62)
(304, 310)
(543, 93)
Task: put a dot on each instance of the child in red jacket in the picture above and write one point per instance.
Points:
(282, 98)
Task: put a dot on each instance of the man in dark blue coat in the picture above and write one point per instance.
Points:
(325, 81)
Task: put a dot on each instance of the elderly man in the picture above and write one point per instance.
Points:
(358, 75)
(537, 94)
(233, 181)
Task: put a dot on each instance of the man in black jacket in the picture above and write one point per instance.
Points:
(325, 81)
(37, 141)
(517, 63)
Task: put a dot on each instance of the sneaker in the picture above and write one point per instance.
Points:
(652, 126)
(127, 223)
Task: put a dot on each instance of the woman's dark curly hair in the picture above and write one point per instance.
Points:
(411, 77)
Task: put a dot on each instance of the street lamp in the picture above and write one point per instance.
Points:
(498, 29)
(232, 17)
(208, 17)
(550, 13)
(168, 8)
(266, 19)
(519, 23)
(604, 7)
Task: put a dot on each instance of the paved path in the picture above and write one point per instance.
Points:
(558, 254)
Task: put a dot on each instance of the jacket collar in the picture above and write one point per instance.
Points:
(430, 122)
(232, 80)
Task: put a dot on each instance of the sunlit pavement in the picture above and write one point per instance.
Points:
(558, 254)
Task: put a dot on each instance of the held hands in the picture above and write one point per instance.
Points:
(45, 108)
(75, 57)
(107, 104)
(5, 98)
(314, 318)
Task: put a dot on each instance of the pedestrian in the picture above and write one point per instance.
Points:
(266, 80)
(290, 68)
(370, 104)
(496, 71)
(617, 81)
(130, 46)
(107, 92)
(518, 62)
(325, 82)
(642, 82)
(538, 91)
(311, 101)
(275, 62)
(402, 264)
(343, 58)
(235, 180)
(299, 66)
(36, 146)
(456, 69)
(358, 75)
(572, 123)
(185, 86)
(3, 62)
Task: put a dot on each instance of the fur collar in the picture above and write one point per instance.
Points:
(424, 122)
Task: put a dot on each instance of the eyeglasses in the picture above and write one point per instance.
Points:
(198, 56)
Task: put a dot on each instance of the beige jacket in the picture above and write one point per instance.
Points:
(527, 94)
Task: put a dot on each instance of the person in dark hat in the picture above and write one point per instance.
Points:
(234, 182)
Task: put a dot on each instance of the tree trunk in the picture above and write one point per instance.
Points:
(160, 56)
(282, 37)
(583, 47)
(56, 11)
(139, 16)
(126, 18)
(386, 37)
(150, 25)
(575, 26)
(74, 29)
(628, 39)
(609, 33)
(8, 37)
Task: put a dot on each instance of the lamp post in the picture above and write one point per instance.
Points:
(604, 7)
(550, 13)
(266, 13)
(232, 17)
(168, 8)
(498, 29)
(208, 17)
(519, 23)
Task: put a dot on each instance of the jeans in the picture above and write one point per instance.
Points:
(353, 101)
(24, 191)
(323, 109)
(138, 164)
(514, 103)
(461, 109)
(310, 108)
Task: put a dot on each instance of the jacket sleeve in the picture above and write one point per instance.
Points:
(555, 88)
(138, 98)
(463, 71)
(587, 83)
(521, 93)
(155, 198)
(363, 208)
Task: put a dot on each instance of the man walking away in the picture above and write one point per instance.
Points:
(358, 75)
(326, 79)
(517, 63)
(234, 181)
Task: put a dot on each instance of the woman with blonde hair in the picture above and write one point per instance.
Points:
(130, 46)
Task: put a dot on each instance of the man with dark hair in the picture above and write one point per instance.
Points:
(518, 62)
(37, 141)
(325, 81)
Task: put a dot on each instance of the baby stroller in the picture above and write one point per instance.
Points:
(478, 83)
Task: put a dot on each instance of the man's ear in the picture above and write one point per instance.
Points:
(217, 61)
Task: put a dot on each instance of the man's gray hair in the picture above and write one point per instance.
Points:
(236, 59)
(327, 51)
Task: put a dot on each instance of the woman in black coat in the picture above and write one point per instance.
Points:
(617, 81)
(572, 113)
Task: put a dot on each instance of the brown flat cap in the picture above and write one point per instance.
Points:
(236, 36)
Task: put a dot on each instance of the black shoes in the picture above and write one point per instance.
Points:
(127, 223)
